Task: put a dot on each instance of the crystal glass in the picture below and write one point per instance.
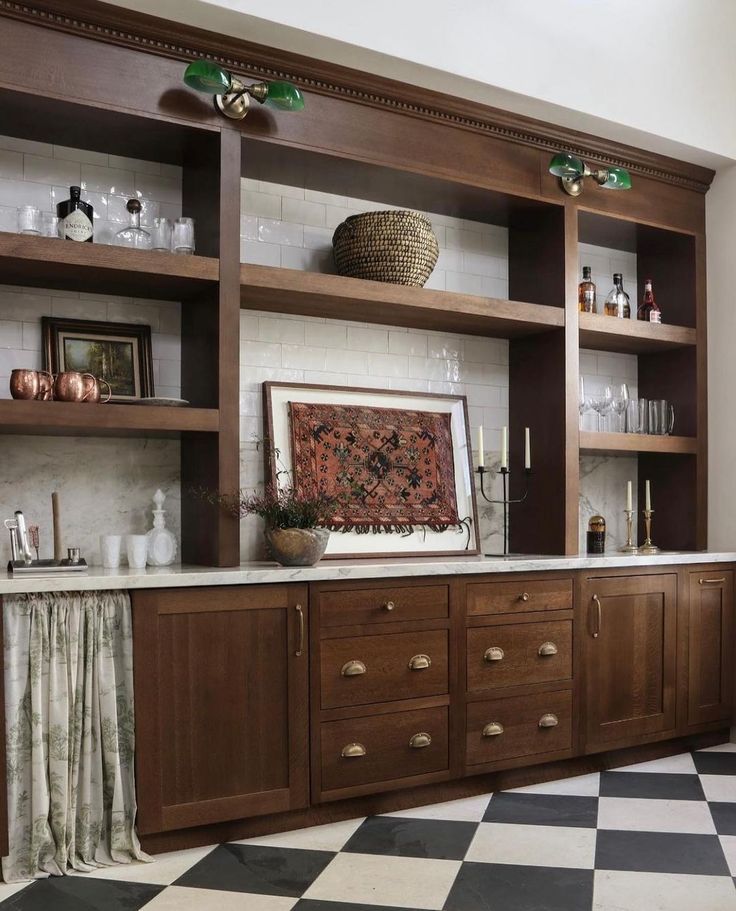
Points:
(633, 417)
(161, 232)
(183, 236)
(584, 404)
(603, 405)
(661, 417)
(29, 220)
(620, 405)
(50, 225)
(133, 236)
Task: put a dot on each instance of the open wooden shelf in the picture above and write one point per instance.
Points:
(51, 263)
(83, 419)
(313, 294)
(628, 443)
(631, 336)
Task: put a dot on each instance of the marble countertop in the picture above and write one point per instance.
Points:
(180, 576)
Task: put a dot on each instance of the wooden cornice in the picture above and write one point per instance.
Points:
(128, 28)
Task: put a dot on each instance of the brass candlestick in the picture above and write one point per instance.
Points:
(629, 547)
(647, 547)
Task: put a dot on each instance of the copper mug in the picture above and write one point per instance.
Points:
(31, 384)
(73, 386)
(92, 385)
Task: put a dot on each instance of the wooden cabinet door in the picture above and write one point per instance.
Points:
(221, 703)
(630, 628)
(710, 631)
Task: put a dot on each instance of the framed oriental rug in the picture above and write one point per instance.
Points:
(397, 464)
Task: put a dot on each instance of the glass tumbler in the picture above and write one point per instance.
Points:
(183, 236)
(29, 220)
(50, 225)
(637, 416)
(161, 232)
(661, 417)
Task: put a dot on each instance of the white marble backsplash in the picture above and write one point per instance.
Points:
(603, 493)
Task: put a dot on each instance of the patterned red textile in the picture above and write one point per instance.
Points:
(391, 468)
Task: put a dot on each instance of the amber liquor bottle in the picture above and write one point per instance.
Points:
(648, 308)
(75, 217)
(586, 292)
(617, 303)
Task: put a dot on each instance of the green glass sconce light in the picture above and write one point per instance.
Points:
(232, 96)
(572, 171)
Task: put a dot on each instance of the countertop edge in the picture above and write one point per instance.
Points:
(182, 576)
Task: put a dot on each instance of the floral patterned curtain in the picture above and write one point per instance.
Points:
(70, 733)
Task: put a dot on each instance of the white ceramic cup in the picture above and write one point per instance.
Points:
(110, 550)
(137, 548)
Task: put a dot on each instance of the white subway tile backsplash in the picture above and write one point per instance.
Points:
(51, 170)
(11, 334)
(388, 365)
(261, 204)
(107, 180)
(260, 254)
(349, 361)
(273, 329)
(300, 357)
(260, 354)
(11, 164)
(361, 339)
(300, 212)
(16, 193)
(463, 283)
(410, 343)
(306, 260)
(280, 232)
(329, 336)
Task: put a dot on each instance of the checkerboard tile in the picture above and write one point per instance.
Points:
(655, 836)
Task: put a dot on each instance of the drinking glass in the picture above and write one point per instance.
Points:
(620, 405)
(183, 235)
(137, 549)
(633, 417)
(661, 417)
(50, 225)
(161, 232)
(110, 550)
(29, 220)
(584, 403)
(603, 404)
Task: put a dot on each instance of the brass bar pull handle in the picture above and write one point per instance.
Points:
(524, 596)
(419, 741)
(389, 605)
(546, 649)
(300, 613)
(419, 662)
(353, 751)
(493, 729)
(597, 602)
(494, 653)
(712, 581)
(353, 668)
(549, 721)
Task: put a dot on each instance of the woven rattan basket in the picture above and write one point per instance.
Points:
(395, 246)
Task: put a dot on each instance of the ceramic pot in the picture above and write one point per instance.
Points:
(297, 546)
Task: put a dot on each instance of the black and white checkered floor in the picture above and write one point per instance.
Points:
(659, 836)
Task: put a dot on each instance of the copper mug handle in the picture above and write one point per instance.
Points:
(47, 394)
(89, 388)
(109, 391)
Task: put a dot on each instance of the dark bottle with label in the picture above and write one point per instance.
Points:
(75, 217)
(586, 292)
(596, 537)
(648, 308)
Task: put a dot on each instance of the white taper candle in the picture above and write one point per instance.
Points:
(647, 496)
(481, 457)
(628, 496)
(527, 449)
(504, 447)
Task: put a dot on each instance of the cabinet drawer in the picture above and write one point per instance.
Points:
(348, 607)
(360, 751)
(499, 729)
(519, 595)
(519, 653)
(362, 669)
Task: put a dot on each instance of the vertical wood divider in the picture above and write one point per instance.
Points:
(572, 374)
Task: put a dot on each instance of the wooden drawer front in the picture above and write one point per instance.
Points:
(519, 653)
(521, 595)
(383, 605)
(512, 727)
(388, 667)
(383, 744)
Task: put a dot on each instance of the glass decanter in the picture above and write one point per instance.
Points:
(133, 236)
(162, 544)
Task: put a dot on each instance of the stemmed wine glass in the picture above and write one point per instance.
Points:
(584, 403)
(620, 404)
(603, 404)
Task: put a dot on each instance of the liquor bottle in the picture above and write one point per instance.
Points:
(133, 236)
(648, 308)
(586, 292)
(617, 303)
(75, 217)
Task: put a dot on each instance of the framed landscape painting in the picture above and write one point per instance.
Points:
(396, 465)
(119, 353)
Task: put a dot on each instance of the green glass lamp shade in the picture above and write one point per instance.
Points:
(565, 165)
(284, 96)
(618, 179)
(208, 77)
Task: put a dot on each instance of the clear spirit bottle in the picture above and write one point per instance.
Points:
(133, 236)
(617, 303)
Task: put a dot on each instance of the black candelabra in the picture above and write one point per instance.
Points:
(506, 501)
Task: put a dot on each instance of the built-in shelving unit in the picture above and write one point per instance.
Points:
(370, 139)
(313, 294)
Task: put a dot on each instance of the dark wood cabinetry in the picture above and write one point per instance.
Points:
(221, 690)
(708, 628)
(629, 630)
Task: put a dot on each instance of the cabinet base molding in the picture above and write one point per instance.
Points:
(426, 794)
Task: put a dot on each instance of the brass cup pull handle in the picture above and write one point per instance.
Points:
(549, 721)
(597, 630)
(524, 596)
(546, 649)
(419, 741)
(712, 581)
(419, 662)
(494, 653)
(353, 668)
(493, 729)
(389, 605)
(353, 751)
